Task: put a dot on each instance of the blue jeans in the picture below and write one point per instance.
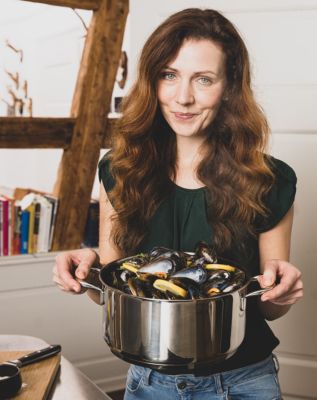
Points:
(255, 382)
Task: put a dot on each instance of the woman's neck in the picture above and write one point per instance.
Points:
(188, 158)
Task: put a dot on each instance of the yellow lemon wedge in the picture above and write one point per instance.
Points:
(165, 286)
(225, 267)
(129, 266)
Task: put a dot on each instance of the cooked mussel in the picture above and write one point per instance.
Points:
(203, 250)
(136, 287)
(180, 256)
(214, 275)
(161, 267)
(212, 288)
(195, 274)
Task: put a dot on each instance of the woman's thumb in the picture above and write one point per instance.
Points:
(83, 269)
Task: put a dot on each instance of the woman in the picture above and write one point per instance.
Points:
(188, 163)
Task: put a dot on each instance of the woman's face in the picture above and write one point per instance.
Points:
(191, 87)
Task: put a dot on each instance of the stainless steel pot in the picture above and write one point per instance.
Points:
(172, 335)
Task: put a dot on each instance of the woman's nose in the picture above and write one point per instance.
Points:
(184, 94)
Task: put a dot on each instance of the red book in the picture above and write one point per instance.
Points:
(5, 226)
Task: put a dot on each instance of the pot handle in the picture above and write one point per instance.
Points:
(92, 282)
(259, 291)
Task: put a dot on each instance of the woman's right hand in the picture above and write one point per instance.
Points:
(73, 264)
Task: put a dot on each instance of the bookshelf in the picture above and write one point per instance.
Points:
(87, 130)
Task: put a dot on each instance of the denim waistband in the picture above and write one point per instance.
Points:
(219, 380)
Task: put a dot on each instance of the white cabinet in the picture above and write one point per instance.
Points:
(30, 304)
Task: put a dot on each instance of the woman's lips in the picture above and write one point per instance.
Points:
(184, 116)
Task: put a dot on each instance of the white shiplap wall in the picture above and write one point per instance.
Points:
(280, 36)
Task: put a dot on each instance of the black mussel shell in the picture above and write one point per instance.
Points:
(214, 288)
(139, 260)
(158, 251)
(124, 275)
(203, 250)
(137, 287)
(161, 266)
(215, 275)
(195, 274)
(180, 256)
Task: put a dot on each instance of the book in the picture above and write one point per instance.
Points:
(36, 225)
(45, 223)
(4, 226)
(54, 202)
(16, 245)
(31, 210)
(25, 215)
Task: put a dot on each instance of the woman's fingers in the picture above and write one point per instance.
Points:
(72, 264)
(289, 288)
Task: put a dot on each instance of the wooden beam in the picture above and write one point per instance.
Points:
(43, 133)
(91, 104)
(23, 133)
(81, 4)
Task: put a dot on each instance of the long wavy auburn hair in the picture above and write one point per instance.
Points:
(234, 169)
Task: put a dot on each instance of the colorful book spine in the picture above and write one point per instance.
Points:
(5, 226)
(54, 202)
(17, 229)
(25, 216)
(31, 210)
(10, 226)
(36, 226)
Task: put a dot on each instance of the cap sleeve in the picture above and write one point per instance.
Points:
(281, 196)
(104, 173)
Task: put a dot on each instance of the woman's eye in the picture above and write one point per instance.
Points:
(168, 76)
(205, 81)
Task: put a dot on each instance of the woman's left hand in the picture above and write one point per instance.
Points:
(289, 286)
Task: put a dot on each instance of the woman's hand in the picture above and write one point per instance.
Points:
(71, 264)
(289, 286)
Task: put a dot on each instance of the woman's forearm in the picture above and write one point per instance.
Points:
(273, 311)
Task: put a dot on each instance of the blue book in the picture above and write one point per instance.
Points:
(25, 217)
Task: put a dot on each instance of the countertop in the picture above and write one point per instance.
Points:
(70, 382)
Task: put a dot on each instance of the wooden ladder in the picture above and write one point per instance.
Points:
(88, 129)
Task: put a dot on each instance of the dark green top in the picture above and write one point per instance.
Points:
(181, 221)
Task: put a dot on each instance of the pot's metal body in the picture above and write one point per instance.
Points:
(169, 334)
(172, 335)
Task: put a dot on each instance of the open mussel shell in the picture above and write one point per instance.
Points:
(215, 275)
(196, 274)
(136, 287)
(203, 250)
(161, 267)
